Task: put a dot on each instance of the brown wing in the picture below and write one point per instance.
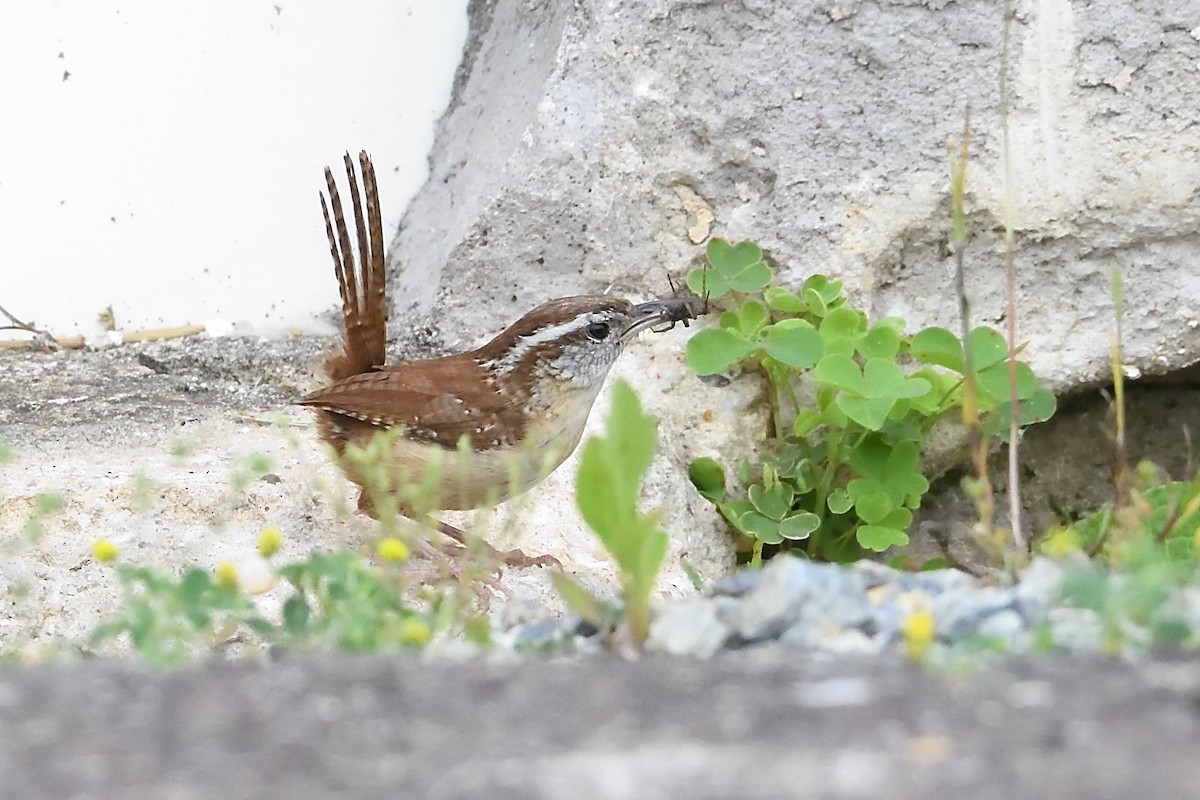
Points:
(363, 286)
(388, 397)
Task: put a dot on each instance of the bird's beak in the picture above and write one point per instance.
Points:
(662, 315)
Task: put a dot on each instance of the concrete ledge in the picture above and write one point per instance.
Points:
(601, 729)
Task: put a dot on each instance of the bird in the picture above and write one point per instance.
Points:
(467, 430)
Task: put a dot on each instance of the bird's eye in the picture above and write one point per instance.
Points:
(597, 331)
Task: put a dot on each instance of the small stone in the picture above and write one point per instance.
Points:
(738, 583)
(1076, 630)
(1007, 628)
(688, 628)
(931, 582)
(792, 589)
(831, 639)
(1040, 585)
(542, 635)
(960, 613)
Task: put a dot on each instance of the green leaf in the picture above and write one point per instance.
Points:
(707, 283)
(733, 512)
(816, 304)
(716, 350)
(760, 527)
(883, 340)
(607, 487)
(898, 520)
(741, 264)
(193, 587)
(1085, 588)
(730, 320)
(872, 502)
(752, 278)
(878, 538)
(912, 387)
(870, 458)
(793, 342)
(843, 324)
(987, 347)
(870, 413)
(728, 258)
(827, 291)
(653, 551)
(931, 402)
(841, 372)
(839, 501)
(895, 468)
(752, 316)
(938, 346)
(994, 382)
(708, 476)
(827, 398)
(881, 377)
(610, 474)
(1038, 408)
(806, 422)
(296, 614)
(799, 526)
(773, 502)
(781, 299)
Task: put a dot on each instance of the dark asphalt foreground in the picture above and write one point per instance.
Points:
(600, 728)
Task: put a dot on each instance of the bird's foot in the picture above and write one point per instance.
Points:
(510, 558)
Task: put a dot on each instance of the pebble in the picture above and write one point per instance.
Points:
(690, 627)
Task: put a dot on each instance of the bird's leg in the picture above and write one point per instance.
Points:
(445, 559)
(512, 558)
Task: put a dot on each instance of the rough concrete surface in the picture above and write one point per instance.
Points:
(601, 730)
(585, 137)
(145, 445)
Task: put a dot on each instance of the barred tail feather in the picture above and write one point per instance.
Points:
(363, 284)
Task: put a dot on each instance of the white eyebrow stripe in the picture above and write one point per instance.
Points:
(526, 343)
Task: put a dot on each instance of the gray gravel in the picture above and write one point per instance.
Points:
(807, 608)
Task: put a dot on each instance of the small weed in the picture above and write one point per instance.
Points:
(852, 405)
(182, 448)
(247, 470)
(45, 506)
(342, 602)
(338, 601)
(143, 492)
(607, 489)
(167, 618)
(1143, 549)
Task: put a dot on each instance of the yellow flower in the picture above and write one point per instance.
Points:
(391, 549)
(104, 551)
(269, 542)
(1060, 542)
(226, 574)
(920, 629)
(414, 632)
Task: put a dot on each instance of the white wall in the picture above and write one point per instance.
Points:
(165, 157)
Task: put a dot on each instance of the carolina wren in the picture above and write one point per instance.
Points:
(477, 427)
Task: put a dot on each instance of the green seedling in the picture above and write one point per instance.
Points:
(607, 488)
